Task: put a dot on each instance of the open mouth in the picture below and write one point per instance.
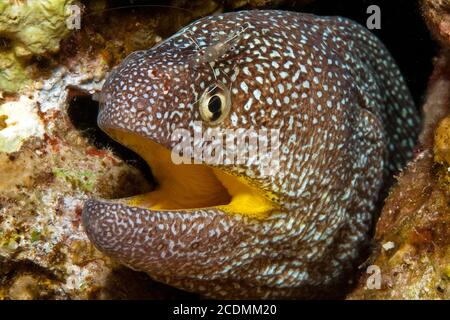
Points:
(190, 187)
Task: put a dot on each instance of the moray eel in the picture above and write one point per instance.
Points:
(346, 124)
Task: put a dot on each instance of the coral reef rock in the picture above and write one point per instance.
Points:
(411, 255)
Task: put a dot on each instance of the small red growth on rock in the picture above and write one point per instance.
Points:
(420, 237)
(78, 211)
(91, 151)
(52, 142)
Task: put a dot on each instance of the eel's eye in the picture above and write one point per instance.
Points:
(214, 104)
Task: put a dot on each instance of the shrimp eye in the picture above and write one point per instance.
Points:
(214, 104)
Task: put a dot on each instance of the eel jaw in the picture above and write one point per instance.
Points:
(165, 244)
(195, 217)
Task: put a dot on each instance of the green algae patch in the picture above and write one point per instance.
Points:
(13, 76)
(82, 179)
(36, 236)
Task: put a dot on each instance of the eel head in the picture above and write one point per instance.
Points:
(202, 224)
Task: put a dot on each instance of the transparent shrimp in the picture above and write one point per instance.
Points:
(209, 55)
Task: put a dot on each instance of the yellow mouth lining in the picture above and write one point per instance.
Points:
(193, 186)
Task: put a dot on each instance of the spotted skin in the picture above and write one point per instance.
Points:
(347, 124)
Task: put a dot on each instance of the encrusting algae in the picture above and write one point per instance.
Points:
(29, 29)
